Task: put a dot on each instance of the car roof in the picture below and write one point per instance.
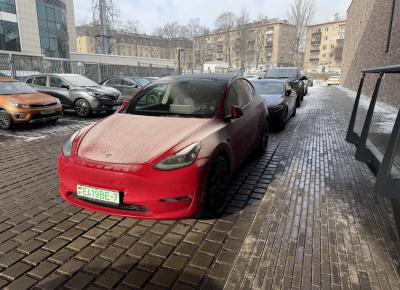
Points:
(197, 77)
(55, 74)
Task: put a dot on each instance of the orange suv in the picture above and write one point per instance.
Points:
(19, 103)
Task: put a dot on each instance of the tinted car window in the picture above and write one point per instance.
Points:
(282, 73)
(29, 81)
(179, 98)
(55, 82)
(141, 82)
(113, 82)
(128, 83)
(240, 94)
(79, 81)
(268, 88)
(40, 81)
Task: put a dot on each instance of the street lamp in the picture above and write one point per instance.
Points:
(179, 60)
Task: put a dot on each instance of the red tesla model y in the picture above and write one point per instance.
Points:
(169, 152)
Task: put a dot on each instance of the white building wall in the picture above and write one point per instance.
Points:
(28, 26)
(70, 16)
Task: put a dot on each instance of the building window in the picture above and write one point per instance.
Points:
(52, 28)
(8, 6)
(9, 36)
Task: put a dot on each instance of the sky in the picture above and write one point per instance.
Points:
(154, 13)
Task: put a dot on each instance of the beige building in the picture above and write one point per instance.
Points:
(372, 40)
(259, 44)
(324, 46)
(137, 45)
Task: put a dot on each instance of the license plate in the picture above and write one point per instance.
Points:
(47, 112)
(116, 108)
(98, 194)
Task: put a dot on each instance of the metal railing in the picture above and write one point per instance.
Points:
(381, 163)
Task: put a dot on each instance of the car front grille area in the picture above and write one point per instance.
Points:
(43, 106)
(109, 97)
(39, 116)
(131, 207)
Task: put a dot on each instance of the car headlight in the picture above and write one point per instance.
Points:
(67, 148)
(183, 158)
(20, 106)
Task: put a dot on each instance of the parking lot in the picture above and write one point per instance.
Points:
(303, 215)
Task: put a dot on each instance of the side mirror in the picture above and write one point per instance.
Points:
(303, 78)
(288, 92)
(64, 86)
(260, 78)
(236, 112)
(123, 105)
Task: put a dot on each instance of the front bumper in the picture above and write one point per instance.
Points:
(106, 105)
(36, 115)
(277, 113)
(144, 192)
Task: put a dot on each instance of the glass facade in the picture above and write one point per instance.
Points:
(52, 28)
(8, 6)
(9, 33)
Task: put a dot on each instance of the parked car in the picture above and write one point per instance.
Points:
(166, 159)
(293, 76)
(280, 99)
(333, 80)
(308, 82)
(252, 77)
(128, 86)
(19, 103)
(151, 79)
(77, 92)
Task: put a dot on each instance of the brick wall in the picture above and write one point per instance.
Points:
(367, 31)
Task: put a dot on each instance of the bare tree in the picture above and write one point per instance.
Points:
(260, 42)
(300, 14)
(242, 22)
(225, 22)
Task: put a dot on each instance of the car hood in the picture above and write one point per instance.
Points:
(134, 139)
(32, 99)
(273, 100)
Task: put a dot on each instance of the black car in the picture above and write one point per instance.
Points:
(77, 92)
(280, 99)
(128, 86)
(294, 78)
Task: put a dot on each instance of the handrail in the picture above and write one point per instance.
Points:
(391, 69)
(386, 184)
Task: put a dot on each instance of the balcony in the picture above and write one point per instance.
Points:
(314, 50)
(314, 59)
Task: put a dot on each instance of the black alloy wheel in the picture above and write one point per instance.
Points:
(217, 184)
(82, 108)
(5, 120)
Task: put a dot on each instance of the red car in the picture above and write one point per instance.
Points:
(169, 152)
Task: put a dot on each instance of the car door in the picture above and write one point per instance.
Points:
(239, 129)
(129, 88)
(114, 83)
(60, 90)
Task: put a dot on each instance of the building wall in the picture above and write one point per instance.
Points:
(326, 54)
(267, 43)
(365, 46)
(28, 26)
(69, 5)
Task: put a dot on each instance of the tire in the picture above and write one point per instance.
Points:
(263, 140)
(216, 186)
(294, 112)
(298, 102)
(5, 120)
(82, 108)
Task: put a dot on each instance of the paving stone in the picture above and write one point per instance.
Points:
(94, 233)
(125, 241)
(21, 283)
(36, 257)
(55, 245)
(125, 263)
(171, 239)
(138, 251)
(42, 270)
(192, 276)
(29, 246)
(78, 281)
(70, 267)
(176, 262)
(15, 271)
(62, 255)
(136, 278)
(88, 254)
(161, 251)
(111, 253)
(164, 277)
(79, 244)
(5, 247)
(150, 263)
(201, 261)
(53, 281)
(109, 279)
(97, 266)
(186, 249)
(10, 258)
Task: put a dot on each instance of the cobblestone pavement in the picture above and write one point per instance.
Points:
(46, 243)
(319, 225)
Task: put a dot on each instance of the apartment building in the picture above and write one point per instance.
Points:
(38, 27)
(258, 44)
(324, 45)
(133, 44)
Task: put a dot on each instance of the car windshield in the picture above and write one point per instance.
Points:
(79, 81)
(282, 73)
(15, 88)
(268, 88)
(141, 82)
(179, 99)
